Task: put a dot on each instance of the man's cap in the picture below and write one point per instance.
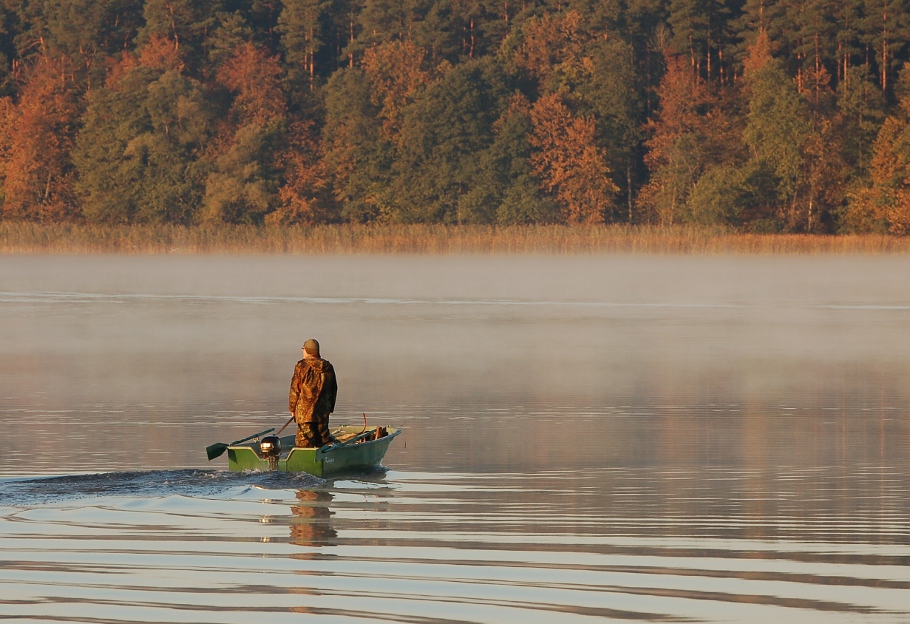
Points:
(311, 346)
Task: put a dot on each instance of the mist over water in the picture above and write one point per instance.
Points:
(651, 438)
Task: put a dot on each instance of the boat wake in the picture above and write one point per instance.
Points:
(19, 492)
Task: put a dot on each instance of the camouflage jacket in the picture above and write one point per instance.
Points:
(313, 390)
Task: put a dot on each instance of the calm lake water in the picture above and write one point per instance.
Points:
(622, 438)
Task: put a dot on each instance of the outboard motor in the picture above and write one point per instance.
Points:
(270, 448)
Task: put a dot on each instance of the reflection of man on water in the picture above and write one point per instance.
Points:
(310, 523)
(312, 397)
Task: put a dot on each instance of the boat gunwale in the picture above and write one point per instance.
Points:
(325, 449)
(317, 457)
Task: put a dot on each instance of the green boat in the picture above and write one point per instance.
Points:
(358, 449)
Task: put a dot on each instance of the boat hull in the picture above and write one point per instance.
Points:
(353, 456)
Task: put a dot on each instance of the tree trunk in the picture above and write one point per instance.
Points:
(351, 40)
(629, 190)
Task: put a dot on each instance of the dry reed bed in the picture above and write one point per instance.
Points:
(30, 238)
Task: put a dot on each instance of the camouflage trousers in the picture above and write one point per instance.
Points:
(312, 434)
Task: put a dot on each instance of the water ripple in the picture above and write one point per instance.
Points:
(206, 546)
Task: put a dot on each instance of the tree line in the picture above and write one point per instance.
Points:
(760, 115)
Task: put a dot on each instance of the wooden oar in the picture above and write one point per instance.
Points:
(218, 449)
(285, 425)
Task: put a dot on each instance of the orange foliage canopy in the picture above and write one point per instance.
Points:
(569, 162)
(305, 177)
(36, 136)
(886, 203)
(551, 40)
(395, 70)
(161, 53)
(255, 79)
(681, 98)
(674, 149)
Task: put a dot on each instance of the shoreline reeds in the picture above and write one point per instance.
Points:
(32, 238)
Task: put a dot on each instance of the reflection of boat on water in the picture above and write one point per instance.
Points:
(311, 519)
(357, 450)
(311, 529)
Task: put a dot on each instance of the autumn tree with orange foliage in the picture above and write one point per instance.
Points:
(508, 188)
(884, 205)
(571, 166)
(160, 53)
(36, 136)
(396, 73)
(243, 187)
(594, 73)
(567, 158)
(305, 196)
(689, 136)
(254, 78)
(550, 42)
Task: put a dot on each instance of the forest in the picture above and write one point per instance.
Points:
(759, 116)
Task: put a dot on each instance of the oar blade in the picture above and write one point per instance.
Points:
(216, 450)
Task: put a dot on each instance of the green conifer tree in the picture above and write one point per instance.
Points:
(139, 154)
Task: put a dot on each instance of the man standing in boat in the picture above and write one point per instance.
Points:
(312, 397)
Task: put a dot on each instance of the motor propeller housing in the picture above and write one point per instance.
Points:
(270, 446)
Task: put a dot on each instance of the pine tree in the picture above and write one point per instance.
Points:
(701, 32)
(763, 17)
(140, 152)
(354, 152)
(302, 37)
(886, 29)
(436, 173)
(608, 90)
(231, 31)
(814, 42)
(777, 133)
(884, 204)
(185, 23)
(84, 31)
(847, 25)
